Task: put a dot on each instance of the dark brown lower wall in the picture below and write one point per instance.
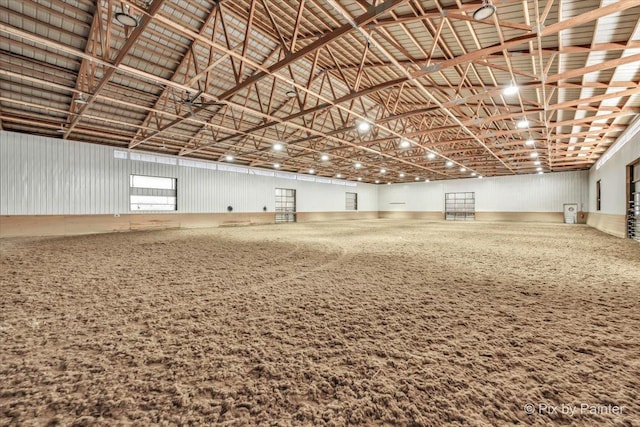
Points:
(66, 225)
(488, 216)
(609, 223)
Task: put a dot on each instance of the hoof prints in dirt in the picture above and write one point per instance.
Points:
(399, 323)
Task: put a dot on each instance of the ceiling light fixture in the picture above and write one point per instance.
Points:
(277, 146)
(485, 11)
(537, 163)
(363, 126)
(463, 169)
(510, 90)
(449, 163)
(359, 178)
(383, 170)
(324, 157)
(229, 158)
(479, 176)
(431, 156)
(80, 99)
(426, 180)
(125, 19)
(534, 154)
(538, 169)
(61, 130)
(357, 165)
(377, 181)
(405, 144)
(276, 165)
(417, 178)
(339, 175)
(401, 175)
(291, 93)
(540, 173)
(473, 174)
(530, 142)
(522, 124)
(312, 171)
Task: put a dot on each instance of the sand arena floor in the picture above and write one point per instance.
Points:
(366, 323)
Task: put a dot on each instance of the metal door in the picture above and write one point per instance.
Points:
(570, 213)
(285, 205)
(460, 206)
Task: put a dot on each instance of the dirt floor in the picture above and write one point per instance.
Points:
(371, 323)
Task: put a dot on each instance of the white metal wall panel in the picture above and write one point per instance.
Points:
(50, 176)
(613, 179)
(519, 193)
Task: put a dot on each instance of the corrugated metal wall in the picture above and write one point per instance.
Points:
(519, 193)
(49, 176)
(613, 179)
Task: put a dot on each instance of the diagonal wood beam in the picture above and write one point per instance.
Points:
(365, 18)
(370, 15)
(516, 41)
(122, 53)
(177, 71)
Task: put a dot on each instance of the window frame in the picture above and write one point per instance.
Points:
(153, 193)
(347, 207)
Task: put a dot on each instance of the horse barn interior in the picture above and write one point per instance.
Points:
(319, 212)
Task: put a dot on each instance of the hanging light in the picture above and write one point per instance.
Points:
(510, 90)
(401, 175)
(357, 165)
(431, 156)
(463, 169)
(383, 170)
(276, 165)
(485, 11)
(524, 123)
(534, 154)
(80, 99)
(312, 171)
(363, 126)
(417, 178)
(530, 142)
(61, 130)
(359, 178)
(405, 144)
(291, 93)
(228, 158)
(277, 146)
(427, 180)
(449, 163)
(124, 18)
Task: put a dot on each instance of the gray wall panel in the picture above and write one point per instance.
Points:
(50, 176)
(520, 193)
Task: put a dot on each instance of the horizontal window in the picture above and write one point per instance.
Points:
(144, 207)
(153, 182)
(153, 200)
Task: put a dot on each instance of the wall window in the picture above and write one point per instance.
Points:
(153, 193)
(352, 202)
(598, 195)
